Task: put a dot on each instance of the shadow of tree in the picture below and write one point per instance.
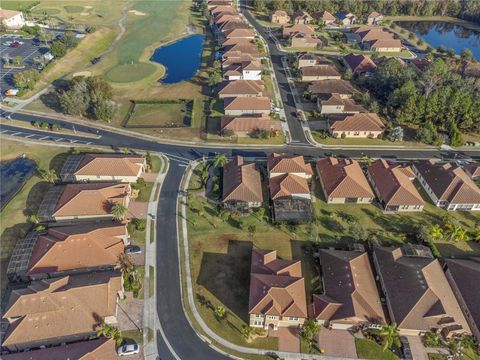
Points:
(35, 197)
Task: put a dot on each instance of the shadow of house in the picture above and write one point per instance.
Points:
(57, 162)
(227, 276)
(304, 250)
(35, 197)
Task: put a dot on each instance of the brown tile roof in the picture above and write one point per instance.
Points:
(360, 63)
(349, 104)
(300, 15)
(374, 34)
(249, 123)
(78, 246)
(238, 58)
(247, 103)
(394, 187)
(449, 182)
(236, 40)
(289, 29)
(223, 8)
(349, 285)
(247, 87)
(59, 307)
(110, 165)
(223, 18)
(276, 286)
(319, 70)
(7, 14)
(231, 25)
(241, 182)
(251, 49)
(91, 198)
(286, 185)
(305, 38)
(473, 169)
(374, 14)
(343, 178)
(465, 274)
(239, 33)
(280, 13)
(419, 295)
(331, 86)
(385, 43)
(325, 16)
(356, 122)
(98, 349)
(237, 68)
(287, 164)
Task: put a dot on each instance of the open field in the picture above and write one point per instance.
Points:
(158, 115)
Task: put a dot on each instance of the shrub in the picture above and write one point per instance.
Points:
(343, 136)
(139, 224)
(56, 127)
(45, 125)
(37, 123)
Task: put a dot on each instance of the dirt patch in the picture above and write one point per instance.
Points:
(82, 73)
(136, 12)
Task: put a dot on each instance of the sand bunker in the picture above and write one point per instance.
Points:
(136, 12)
(83, 73)
(84, 14)
(88, 7)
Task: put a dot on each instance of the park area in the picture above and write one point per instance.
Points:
(220, 246)
(159, 114)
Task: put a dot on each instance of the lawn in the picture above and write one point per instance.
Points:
(363, 141)
(159, 115)
(144, 193)
(127, 73)
(367, 349)
(157, 164)
(17, 4)
(137, 235)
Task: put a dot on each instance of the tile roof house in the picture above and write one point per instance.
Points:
(361, 64)
(326, 17)
(236, 40)
(245, 70)
(68, 250)
(419, 297)
(251, 49)
(393, 187)
(227, 9)
(447, 185)
(12, 19)
(237, 58)
(463, 275)
(243, 105)
(60, 310)
(375, 39)
(323, 89)
(302, 17)
(83, 201)
(473, 170)
(239, 34)
(301, 40)
(384, 45)
(319, 72)
(97, 349)
(223, 18)
(309, 59)
(103, 167)
(248, 124)
(241, 88)
(350, 296)
(288, 30)
(277, 291)
(226, 27)
(289, 188)
(374, 18)
(242, 185)
(343, 181)
(359, 125)
(279, 17)
(335, 104)
(346, 17)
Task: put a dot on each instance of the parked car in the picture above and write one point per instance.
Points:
(128, 349)
(11, 92)
(132, 250)
(15, 44)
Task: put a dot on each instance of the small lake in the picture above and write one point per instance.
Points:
(13, 174)
(181, 58)
(452, 36)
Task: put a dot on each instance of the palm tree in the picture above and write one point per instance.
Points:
(220, 312)
(247, 332)
(125, 264)
(125, 150)
(310, 329)
(48, 175)
(220, 160)
(33, 219)
(390, 336)
(110, 332)
(436, 232)
(455, 232)
(118, 211)
(367, 160)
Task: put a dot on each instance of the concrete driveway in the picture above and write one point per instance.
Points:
(339, 343)
(288, 338)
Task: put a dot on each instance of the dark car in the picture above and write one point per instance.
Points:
(133, 250)
(15, 44)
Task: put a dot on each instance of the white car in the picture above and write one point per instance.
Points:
(128, 349)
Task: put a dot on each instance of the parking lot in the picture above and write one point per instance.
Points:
(28, 51)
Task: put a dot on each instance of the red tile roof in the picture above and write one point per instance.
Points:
(247, 103)
(360, 63)
(241, 182)
(356, 122)
(286, 185)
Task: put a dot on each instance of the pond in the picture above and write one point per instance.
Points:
(452, 36)
(13, 174)
(181, 58)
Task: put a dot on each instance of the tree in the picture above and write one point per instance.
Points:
(48, 175)
(220, 160)
(455, 232)
(45, 36)
(367, 160)
(389, 335)
(347, 75)
(310, 329)
(396, 134)
(466, 54)
(432, 338)
(33, 219)
(103, 110)
(26, 79)
(125, 263)
(247, 332)
(252, 229)
(214, 77)
(70, 40)
(436, 232)
(58, 49)
(220, 312)
(110, 332)
(17, 61)
(451, 52)
(118, 211)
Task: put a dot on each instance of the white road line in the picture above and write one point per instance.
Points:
(73, 141)
(59, 139)
(3, 131)
(43, 138)
(17, 133)
(29, 136)
(88, 143)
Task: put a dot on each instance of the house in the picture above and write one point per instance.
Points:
(236, 40)
(319, 72)
(277, 292)
(361, 64)
(326, 17)
(463, 275)
(67, 250)
(212, 4)
(61, 310)
(100, 348)
(245, 105)
(239, 88)
(237, 58)
(279, 17)
(375, 39)
(223, 18)
(374, 18)
(289, 30)
(240, 33)
(393, 187)
(246, 70)
(384, 45)
(301, 17)
(473, 170)
(12, 19)
(309, 59)
(227, 27)
(346, 18)
(247, 125)
(335, 104)
(352, 38)
(359, 125)
(343, 182)
(103, 167)
(323, 89)
(350, 296)
(420, 64)
(289, 188)
(251, 49)
(447, 185)
(83, 201)
(301, 40)
(419, 297)
(242, 185)
(223, 9)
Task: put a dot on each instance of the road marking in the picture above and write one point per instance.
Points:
(73, 141)
(29, 136)
(17, 133)
(3, 131)
(43, 138)
(59, 139)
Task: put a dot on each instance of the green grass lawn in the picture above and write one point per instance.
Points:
(127, 73)
(144, 194)
(157, 164)
(17, 4)
(363, 141)
(434, 356)
(131, 336)
(152, 115)
(137, 235)
(367, 349)
(71, 9)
